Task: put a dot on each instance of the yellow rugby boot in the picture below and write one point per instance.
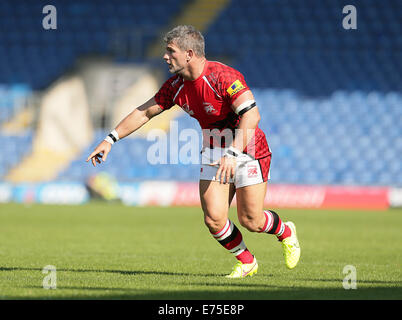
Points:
(242, 270)
(291, 247)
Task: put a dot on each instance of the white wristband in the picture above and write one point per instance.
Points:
(109, 139)
(112, 137)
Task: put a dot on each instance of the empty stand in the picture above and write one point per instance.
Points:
(330, 99)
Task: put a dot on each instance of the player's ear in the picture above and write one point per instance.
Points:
(189, 55)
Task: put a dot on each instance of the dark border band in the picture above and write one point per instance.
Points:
(112, 137)
(251, 106)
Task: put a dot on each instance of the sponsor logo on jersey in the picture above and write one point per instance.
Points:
(209, 108)
(235, 87)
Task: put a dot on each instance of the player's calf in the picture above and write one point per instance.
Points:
(231, 239)
(274, 225)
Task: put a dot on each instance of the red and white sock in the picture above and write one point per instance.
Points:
(231, 238)
(274, 225)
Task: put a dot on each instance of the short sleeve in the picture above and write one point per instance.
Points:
(233, 84)
(164, 97)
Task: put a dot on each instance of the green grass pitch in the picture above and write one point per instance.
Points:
(104, 251)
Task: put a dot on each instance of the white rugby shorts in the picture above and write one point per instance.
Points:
(249, 171)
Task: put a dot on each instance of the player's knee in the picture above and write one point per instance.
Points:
(214, 224)
(249, 222)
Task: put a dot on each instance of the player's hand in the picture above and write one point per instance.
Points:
(226, 170)
(100, 152)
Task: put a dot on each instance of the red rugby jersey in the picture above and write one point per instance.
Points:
(209, 99)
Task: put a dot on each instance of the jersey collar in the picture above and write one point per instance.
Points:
(204, 71)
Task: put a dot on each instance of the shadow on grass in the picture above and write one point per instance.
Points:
(359, 281)
(225, 289)
(124, 272)
(231, 293)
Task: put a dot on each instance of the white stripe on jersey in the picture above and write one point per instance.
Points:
(181, 87)
(206, 80)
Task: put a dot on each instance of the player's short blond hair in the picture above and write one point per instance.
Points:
(187, 37)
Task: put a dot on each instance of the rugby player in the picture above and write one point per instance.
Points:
(219, 98)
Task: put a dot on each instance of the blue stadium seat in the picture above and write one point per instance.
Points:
(83, 27)
(330, 98)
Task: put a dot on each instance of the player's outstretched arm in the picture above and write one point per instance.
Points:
(132, 122)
